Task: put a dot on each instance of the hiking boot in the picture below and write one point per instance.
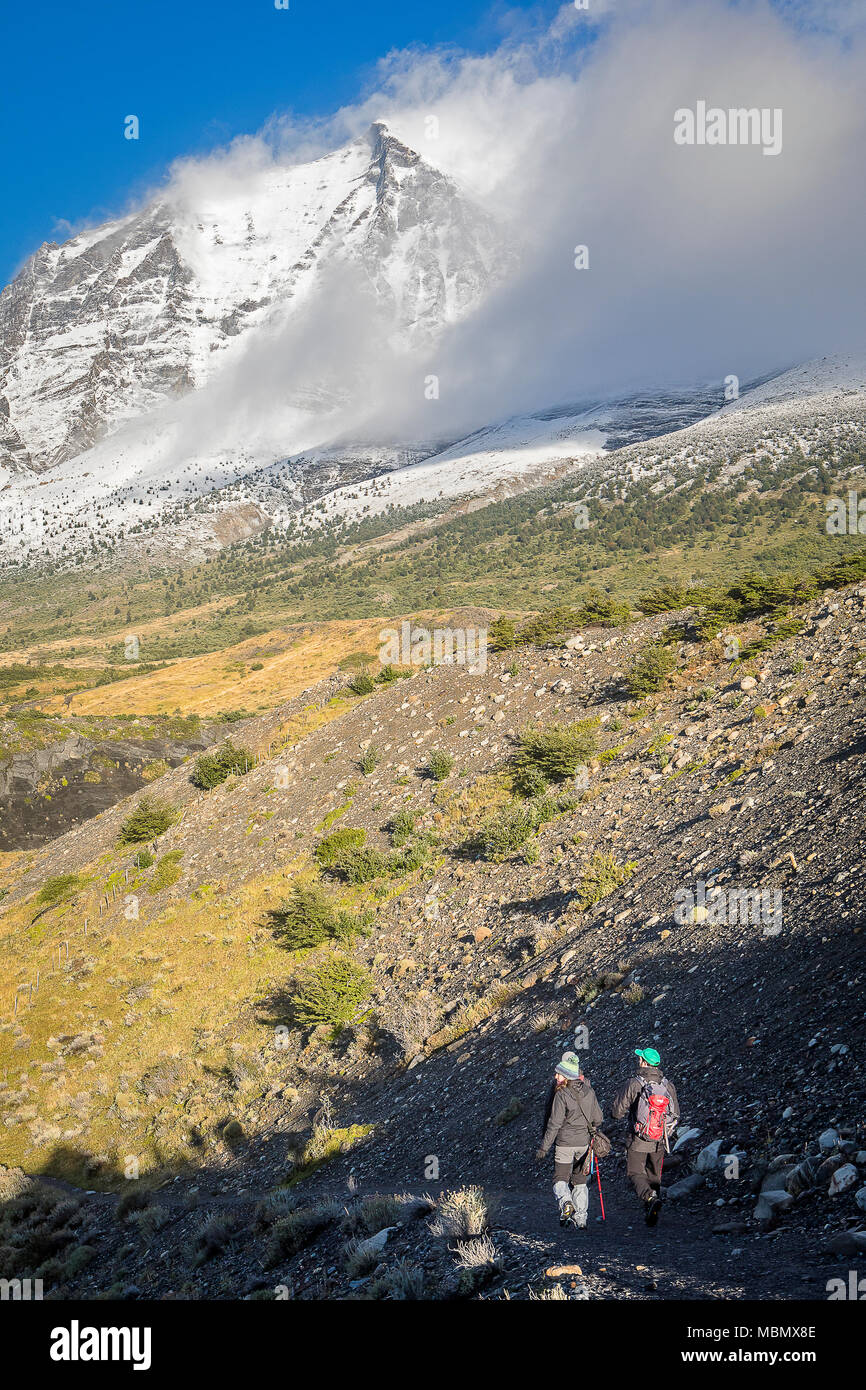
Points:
(566, 1212)
(578, 1221)
(653, 1210)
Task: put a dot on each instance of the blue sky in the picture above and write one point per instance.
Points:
(196, 73)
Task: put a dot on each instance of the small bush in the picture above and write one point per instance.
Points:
(369, 761)
(389, 674)
(557, 751)
(296, 1230)
(401, 827)
(600, 611)
(529, 781)
(664, 598)
(143, 859)
(649, 670)
(548, 627)
(372, 1214)
(405, 1282)
(211, 1237)
(501, 635)
(360, 1259)
(359, 864)
(508, 830)
(362, 684)
(310, 916)
(331, 994)
(150, 818)
(167, 871)
(212, 769)
(58, 889)
(439, 765)
(324, 1144)
(511, 1112)
(328, 851)
(601, 876)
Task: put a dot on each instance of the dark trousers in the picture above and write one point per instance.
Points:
(645, 1170)
(568, 1166)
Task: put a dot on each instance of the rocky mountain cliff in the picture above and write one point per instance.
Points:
(100, 330)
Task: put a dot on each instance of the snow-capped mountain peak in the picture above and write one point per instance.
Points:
(127, 316)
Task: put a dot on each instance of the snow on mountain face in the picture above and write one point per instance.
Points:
(121, 319)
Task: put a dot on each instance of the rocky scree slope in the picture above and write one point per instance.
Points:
(741, 778)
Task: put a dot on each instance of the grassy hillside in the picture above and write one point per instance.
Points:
(246, 623)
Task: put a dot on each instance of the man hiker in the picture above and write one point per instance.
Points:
(571, 1116)
(650, 1101)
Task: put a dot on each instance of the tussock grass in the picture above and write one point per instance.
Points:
(461, 1214)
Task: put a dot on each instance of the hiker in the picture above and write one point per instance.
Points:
(570, 1120)
(650, 1101)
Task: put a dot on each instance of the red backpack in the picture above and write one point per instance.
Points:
(651, 1115)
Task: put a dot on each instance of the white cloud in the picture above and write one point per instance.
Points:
(702, 261)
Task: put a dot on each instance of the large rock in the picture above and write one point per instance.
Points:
(843, 1179)
(709, 1158)
(685, 1137)
(801, 1178)
(828, 1140)
(686, 1186)
(771, 1202)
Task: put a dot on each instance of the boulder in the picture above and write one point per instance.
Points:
(771, 1202)
(843, 1178)
(801, 1178)
(686, 1186)
(709, 1159)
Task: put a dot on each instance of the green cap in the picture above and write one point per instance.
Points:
(649, 1054)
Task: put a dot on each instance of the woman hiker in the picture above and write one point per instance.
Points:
(571, 1117)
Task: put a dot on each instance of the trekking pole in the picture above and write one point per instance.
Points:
(600, 1197)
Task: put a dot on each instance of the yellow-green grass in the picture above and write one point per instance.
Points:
(211, 966)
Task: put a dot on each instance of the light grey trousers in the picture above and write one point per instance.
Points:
(571, 1185)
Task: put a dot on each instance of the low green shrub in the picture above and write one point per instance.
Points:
(213, 768)
(331, 993)
(553, 753)
(401, 827)
(439, 765)
(309, 916)
(150, 818)
(327, 851)
(167, 871)
(58, 889)
(649, 670)
(362, 684)
(502, 635)
(508, 829)
(601, 876)
(369, 761)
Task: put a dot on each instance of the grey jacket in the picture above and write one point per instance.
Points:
(625, 1103)
(574, 1108)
